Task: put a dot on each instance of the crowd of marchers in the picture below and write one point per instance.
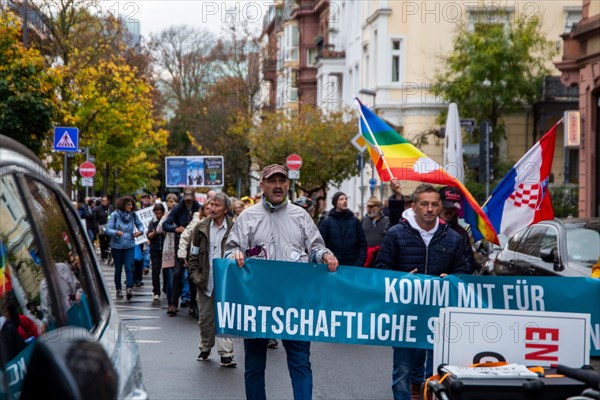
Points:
(414, 234)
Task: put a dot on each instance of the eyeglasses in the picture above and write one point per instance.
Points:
(371, 205)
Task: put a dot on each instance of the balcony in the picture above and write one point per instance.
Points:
(329, 52)
(553, 89)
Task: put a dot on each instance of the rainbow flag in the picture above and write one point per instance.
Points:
(396, 158)
(5, 284)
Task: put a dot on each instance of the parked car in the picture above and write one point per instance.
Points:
(57, 316)
(565, 247)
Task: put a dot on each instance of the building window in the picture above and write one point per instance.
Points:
(367, 66)
(493, 15)
(280, 54)
(311, 56)
(396, 53)
(291, 43)
(572, 17)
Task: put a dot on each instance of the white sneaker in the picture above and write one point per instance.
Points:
(156, 297)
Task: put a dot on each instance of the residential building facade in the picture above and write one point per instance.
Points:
(580, 67)
(387, 52)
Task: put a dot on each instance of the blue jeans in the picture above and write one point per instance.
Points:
(91, 235)
(408, 363)
(147, 258)
(123, 257)
(169, 273)
(298, 359)
(185, 291)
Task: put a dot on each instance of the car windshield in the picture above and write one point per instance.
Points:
(583, 245)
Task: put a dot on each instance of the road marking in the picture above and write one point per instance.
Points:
(148, 328)
(128, 317)
(125, 308)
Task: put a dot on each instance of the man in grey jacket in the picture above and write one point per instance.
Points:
(275, 229)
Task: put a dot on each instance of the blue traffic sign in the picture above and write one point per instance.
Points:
(66, 139)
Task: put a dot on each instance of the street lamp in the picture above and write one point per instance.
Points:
(371, 93)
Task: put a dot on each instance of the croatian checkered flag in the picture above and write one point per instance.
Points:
(522, 197)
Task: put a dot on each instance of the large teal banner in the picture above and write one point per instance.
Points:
(283, 300)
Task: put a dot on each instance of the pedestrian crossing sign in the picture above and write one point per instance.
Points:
(66, 139)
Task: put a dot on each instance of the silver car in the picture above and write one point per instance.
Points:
(57, 314)
(559, 247)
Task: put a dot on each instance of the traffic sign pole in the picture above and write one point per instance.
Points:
(87, 157)
(65, 172)
(294, 163)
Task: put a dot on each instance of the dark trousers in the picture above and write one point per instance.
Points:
(104, 241)
(298, 359)
(193, 291)
(407, 364)
(138, 271)
(156, 262)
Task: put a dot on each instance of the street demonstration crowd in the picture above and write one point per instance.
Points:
(413, 234)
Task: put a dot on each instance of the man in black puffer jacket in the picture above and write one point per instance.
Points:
(343, 233)
(420, 243)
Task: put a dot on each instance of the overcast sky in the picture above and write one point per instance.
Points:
(156, 15)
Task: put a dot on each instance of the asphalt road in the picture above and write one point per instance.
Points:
(169, 347)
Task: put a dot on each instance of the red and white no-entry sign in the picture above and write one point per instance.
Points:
(87, 169)
(294, 161)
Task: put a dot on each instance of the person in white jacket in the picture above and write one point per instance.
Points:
(275, 229)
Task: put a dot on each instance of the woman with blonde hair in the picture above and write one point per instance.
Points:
(236, 209)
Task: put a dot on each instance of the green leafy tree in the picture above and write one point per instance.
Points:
(27, 94)
(495, 69)
(322, 140)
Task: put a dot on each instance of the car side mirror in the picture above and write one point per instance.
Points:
(549, 254)
(67, 364)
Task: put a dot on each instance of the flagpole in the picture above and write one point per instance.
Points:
(374, 140)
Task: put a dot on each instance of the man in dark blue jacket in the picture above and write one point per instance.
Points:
(178, 219)
(420, 243)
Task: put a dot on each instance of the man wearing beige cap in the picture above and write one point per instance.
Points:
(275, 229)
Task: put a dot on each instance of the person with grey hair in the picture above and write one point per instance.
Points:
(208, 242)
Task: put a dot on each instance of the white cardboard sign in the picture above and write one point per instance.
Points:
(468, 336)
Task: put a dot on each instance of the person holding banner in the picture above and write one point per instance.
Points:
(420, 243)
(275, 229)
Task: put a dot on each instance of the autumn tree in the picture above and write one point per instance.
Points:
(116, 114)
(322, 140)
(495, 69)
(27, 97)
